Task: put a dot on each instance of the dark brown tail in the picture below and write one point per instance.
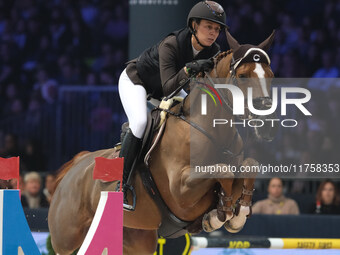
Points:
(66, 167)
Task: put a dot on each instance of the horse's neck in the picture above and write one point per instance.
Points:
(192, 106)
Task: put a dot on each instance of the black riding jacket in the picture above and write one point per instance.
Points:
(159, 69)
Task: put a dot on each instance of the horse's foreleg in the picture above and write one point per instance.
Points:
(224, 211)
(190, 187)
(243, 208)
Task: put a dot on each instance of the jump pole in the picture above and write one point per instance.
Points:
(263, 242)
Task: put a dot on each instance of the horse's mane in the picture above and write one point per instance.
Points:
(222, 55)
(62, 171)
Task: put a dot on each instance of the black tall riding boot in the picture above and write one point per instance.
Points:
(131, 145)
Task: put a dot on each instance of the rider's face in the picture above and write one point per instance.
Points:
(207, 32)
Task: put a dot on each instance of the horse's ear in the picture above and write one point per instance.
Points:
(233, 44)
(265, 45)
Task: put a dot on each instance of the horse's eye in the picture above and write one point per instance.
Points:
(242, 76)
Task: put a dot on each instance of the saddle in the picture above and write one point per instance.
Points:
(171, 226)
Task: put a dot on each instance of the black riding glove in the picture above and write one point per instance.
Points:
(197, 66)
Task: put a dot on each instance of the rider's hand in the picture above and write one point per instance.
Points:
(197, 66)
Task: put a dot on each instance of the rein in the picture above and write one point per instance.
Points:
(224, 149)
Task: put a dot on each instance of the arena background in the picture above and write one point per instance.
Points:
(60, 62)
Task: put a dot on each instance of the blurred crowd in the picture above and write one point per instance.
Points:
(325, 201)
(47, 43)
(307, 40)
(32, 157)
(36, 191)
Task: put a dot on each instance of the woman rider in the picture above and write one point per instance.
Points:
(159, 70)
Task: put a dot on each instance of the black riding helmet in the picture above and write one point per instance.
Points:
(208, 10)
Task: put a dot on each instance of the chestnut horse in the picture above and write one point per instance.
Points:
(189, 198)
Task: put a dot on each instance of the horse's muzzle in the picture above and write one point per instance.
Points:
(269, 128)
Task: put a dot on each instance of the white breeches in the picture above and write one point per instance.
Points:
(133, 98)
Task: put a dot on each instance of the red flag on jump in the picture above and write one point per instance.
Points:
(108, 169)
(9, 168)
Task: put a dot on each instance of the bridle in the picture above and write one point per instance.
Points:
(258, 102)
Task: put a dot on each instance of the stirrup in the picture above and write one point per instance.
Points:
(128, 207)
